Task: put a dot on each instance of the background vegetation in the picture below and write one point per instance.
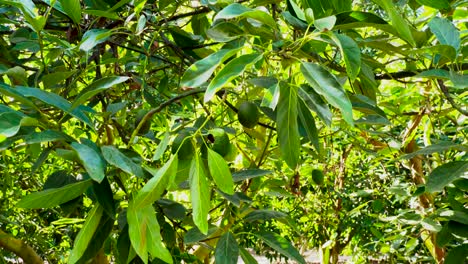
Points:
(120, 139)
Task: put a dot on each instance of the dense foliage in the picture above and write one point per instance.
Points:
(139, 131)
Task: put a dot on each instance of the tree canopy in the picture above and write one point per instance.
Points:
(139, 131)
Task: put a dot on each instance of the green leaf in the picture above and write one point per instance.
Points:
(137, 229)
(97, 87)
(155, 245)
(281, 245)
(326, 84)
(457, 255)
(445, 32)
(264, 215)
(10, 123)
(434, 73)
(162, 146)
(47, 136)
(398, 23)
(119, 160)
(445, 174)
(231, 70)
(249, 174)
(55, 196)
(350, 52)
(308, 123)
(93, 37)
(155, 187)
(194, 235)
(52, 79)
(54, 100)
(287, 127)
(199, 72)
(247, 257)
(105, 197)
(227, 249)
(431, 225)
(91, 161)
(199, 194)
(457, 216)
(237, 10)
(315, 103)
(220, 172)
(436, 148)
(437, 4)
(325, 23)
(459, 81)
(14, 93)
(73, 9)
(101, 235)
(224, 32)
(86, 233)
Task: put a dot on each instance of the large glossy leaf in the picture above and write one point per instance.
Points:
(199, 194)
(220, 172)
(73, 9)
(53, 197)
(86, 233)
(231, 70)
(350, 52)
(227, 249)
(91, 160)
(325, 84)
(287, 127)
(97, 87)
(101, 235)
(398, 22)
(54, 100)
(155, 187)
(281, 245)
(119, 160)
(445, 174)
(238, 10)
(445, 32)
(199, 72)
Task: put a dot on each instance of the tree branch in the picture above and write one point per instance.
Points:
(445, 91)
(20, 248)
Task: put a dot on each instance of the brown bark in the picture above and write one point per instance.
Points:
(20, 248)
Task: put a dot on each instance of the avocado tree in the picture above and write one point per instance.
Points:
(139, 131)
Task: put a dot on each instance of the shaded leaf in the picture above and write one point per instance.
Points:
(445, 174)
(247, 257)
(249, 174)
(264, 215)
(53, 197)
(281, 245)
(237, 10)
(47, 136)
(437, 4)
(308, 123)
(436, 148)
(315, 103)
(10, 123)
(287, 127)
(227, 249)
(457, 255)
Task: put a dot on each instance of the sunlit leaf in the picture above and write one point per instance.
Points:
(445, 174)
(86, 233)
(91, 160)
(288, 130)
(55, 196)
(119, 160)
(220, 172)
(199, 194)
